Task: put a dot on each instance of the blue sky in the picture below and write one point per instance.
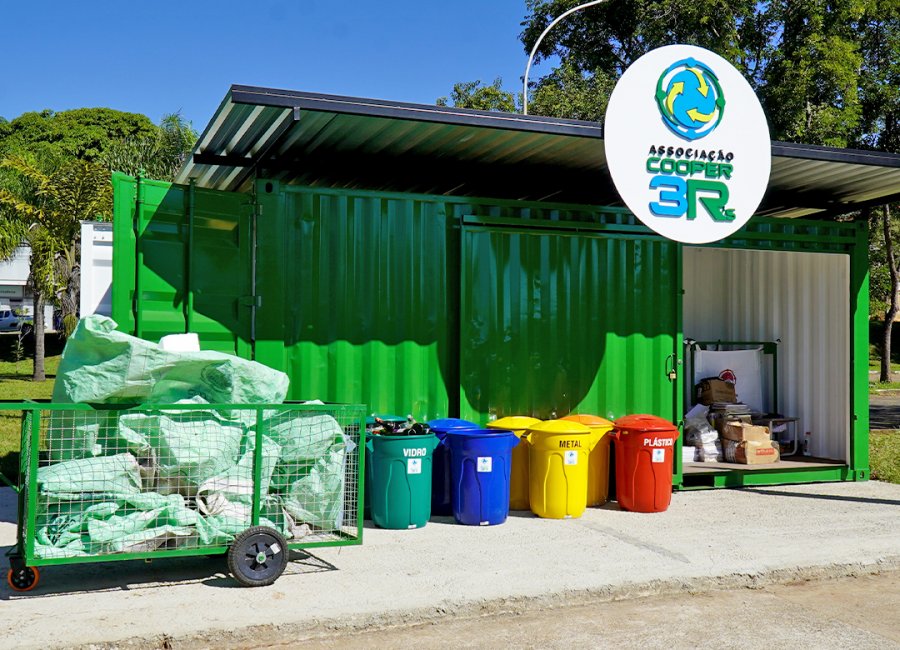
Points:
(164, 56)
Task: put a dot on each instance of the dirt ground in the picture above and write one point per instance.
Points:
(860, 612)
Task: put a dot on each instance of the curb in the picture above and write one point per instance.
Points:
(325, 629)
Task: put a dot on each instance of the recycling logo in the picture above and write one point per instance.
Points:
(690, 99)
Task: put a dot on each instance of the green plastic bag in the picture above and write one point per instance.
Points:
(317, 498)
(302, 436)
(119, 474)
(190, 446)
(102, 365)
(236, 483)
(81, 525)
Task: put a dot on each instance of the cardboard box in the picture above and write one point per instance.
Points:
(721, 420)
(750, 452)
(713, 389)
(743, 432)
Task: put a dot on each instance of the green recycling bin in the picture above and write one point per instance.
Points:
(401, 480)
(371, 426)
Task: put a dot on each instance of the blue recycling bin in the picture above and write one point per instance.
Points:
(440, 486)
(479, 472)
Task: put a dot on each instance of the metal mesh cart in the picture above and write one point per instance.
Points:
(100, 483)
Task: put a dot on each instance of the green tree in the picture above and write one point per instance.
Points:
(608, 38)
(811, 83)
(55, 172)
(572, 93)
(472, 94)
(42, 201)
(158, 155)
(83, 133)
(879, 128)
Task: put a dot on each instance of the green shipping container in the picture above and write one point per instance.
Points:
(427, 305)
(339, 240)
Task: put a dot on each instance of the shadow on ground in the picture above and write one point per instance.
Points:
(884, 411)
(136, 575)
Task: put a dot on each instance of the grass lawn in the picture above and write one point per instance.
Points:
(16, 384)
(884, 456)
(876, 386)
(875, 364)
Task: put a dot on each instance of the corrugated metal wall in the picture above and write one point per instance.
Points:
(802, 299)
(373, 308)
(555, 323)
(369, 315)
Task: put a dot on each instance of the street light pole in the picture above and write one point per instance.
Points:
(538, 42)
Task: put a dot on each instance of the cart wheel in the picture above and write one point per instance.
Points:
(257, 556)
(24, 579)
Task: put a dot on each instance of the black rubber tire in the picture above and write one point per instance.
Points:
(247, 549)
(24, 579)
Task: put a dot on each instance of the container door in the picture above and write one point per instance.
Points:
(554, 323)
(182, 263)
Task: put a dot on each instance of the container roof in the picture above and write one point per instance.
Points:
(349, 142)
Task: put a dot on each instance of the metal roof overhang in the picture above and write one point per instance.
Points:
(346, 142)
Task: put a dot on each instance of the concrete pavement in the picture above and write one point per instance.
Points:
(707, 539)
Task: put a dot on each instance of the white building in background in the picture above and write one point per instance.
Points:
(13, 281)
(96, 268)
(96, 275)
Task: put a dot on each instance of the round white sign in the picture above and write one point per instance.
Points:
(687, 144)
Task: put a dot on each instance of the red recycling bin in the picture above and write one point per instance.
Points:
(645, 447)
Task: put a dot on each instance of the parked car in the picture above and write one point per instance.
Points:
(9, 322)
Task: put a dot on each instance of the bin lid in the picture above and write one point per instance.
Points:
(559, 426)
(479, 433)
(447, 424)
(594, 421)
(643, 423)
(513, 422)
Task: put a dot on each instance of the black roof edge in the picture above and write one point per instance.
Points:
(420, 112)
(241, 94)
(835, 154)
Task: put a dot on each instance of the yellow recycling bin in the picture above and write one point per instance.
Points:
(598, 462)
(518, 475)
(558, 467)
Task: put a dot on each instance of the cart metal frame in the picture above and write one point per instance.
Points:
(351, 418)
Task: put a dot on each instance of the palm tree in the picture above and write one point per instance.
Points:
(41, 205)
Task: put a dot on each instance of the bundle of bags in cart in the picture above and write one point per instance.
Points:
(135, 480)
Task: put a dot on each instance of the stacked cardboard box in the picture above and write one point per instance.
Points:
(748, 444)
(721, 413)
(713, 389)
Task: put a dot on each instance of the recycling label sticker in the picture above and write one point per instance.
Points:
(570, 458)
(659, 455)
(485, 463)
(413, 465)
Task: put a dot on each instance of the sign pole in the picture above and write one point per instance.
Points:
(538, 43)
